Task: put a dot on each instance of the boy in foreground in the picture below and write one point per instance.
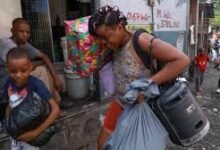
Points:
(17, 87)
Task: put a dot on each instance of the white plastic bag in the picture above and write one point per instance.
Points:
(214, 55)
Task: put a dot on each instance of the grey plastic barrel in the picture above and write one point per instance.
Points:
(181, 115)
(76, 86)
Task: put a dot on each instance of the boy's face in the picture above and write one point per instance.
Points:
(21, 32)
(19, 70)
(203, 52)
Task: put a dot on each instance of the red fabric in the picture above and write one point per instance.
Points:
(112, 115)
(201, 62)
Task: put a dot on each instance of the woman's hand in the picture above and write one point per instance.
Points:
(140, 98)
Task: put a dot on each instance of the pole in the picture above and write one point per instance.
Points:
(202, 27)
(197, 25)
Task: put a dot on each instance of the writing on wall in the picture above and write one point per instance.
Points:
(166, 20)
(170, 15)
(137, 17)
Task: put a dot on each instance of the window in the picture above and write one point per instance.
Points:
(47, 17)
(37, 13)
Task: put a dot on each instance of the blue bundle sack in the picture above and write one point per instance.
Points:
(138, 128)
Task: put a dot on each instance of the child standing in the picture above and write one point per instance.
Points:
(109, 24)
(201, 61)
(17, 86)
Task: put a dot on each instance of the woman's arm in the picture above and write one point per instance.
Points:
(31, 135)
(175, 60)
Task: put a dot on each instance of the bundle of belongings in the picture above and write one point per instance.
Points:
(84, 51)
(138, 128)
(145, 125)
(21, 119)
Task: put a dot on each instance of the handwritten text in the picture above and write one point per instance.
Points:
(135, 16)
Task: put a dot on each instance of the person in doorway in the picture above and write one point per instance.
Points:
(16, 88)
(42, 69)
(108, 23)
(201, 61)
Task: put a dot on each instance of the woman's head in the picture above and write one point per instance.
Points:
(108, 23)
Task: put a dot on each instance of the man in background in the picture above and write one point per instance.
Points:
(42, 66)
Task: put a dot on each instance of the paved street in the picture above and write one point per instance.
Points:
(210, 103)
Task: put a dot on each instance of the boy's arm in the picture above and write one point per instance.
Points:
(37, 63)
(56, 79)
(195, 60)
(8, 110)
(209, 58)
(37, 54)
(33, 134)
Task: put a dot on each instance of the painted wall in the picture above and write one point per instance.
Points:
(9, 9)
(138, 12)
(169, 18)
(170, 22)
(176, 38)
(170, 15)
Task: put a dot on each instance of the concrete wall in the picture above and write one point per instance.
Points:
(172, 37)
(170, 22)
(9, 10)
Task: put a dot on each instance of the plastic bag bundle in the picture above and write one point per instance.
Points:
(45, 136)
(138, 129)
(28, 115)
(22, 119)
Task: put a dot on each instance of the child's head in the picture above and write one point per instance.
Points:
(202, 51)
(19, 65)
(108, 23)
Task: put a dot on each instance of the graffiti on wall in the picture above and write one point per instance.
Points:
(137, 17)
(166, 19)
(136, 11)
(170, 16)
